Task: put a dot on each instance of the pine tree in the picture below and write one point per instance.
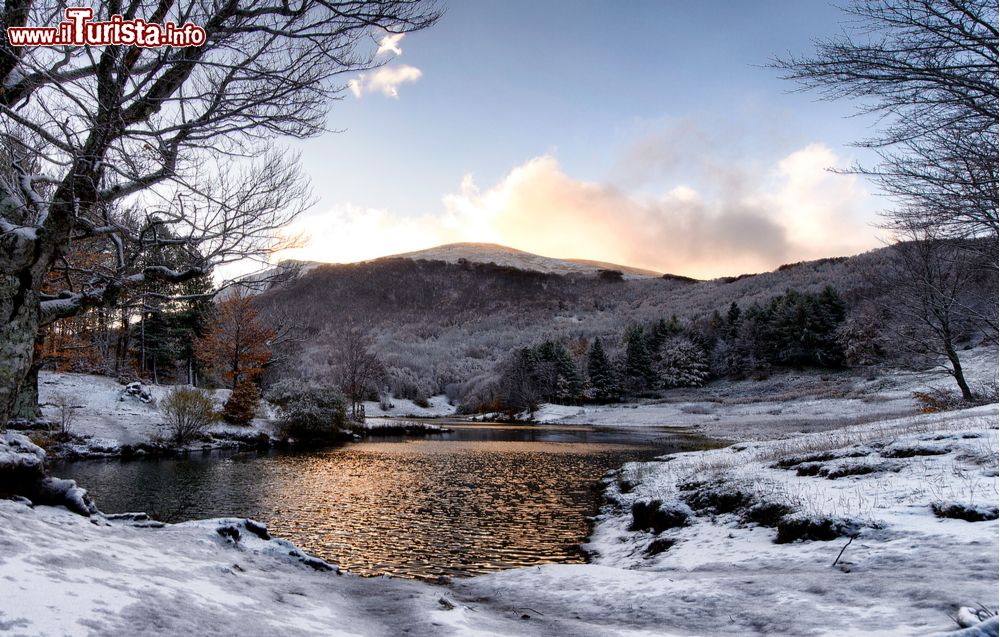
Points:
(732, 320)
(568, 383)
(603, 384)
(557, 374)
(522, 382)
(638, 364)
(682, 363)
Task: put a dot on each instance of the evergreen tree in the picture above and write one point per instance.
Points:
(556, 373)
(638, 364)
(568, 384)
(604, 387)
(683, 363)
(733, 317)
(518, 386)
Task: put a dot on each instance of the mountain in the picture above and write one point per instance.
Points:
(442, 319)
(513, 258)
(456, 253)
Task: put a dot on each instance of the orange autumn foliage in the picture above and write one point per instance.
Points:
(73, 343)
(236, 346)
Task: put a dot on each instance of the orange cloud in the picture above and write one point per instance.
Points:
(799, 210)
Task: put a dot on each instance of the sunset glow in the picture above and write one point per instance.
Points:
(710, 169)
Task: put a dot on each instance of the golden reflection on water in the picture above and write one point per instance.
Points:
(426, 509)
(481, 498)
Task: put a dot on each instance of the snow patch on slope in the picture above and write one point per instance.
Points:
(511, 257)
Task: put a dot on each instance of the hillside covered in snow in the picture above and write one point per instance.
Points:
(442, 322)
(514, 258)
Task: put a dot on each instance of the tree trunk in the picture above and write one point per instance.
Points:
(957, 373)
(19, 323)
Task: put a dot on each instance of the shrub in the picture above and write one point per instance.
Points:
(242, 404)
(814, 528)
(282, 392)
(940, 399)
(967, 512)
(314, 413)
(189, 412)
(65, 411)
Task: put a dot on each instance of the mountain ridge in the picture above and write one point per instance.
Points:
(502, 255)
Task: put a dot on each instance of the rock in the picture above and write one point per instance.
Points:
(138, 390)
(258, 529)
(656, 517)
(445, 604)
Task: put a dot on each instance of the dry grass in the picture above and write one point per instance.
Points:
(970, 477)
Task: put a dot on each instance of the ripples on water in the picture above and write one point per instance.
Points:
(476, 500)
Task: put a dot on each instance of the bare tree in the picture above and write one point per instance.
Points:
(65, 405)
(184, 135)
(937, 300)
(357, 369)
(928, 70)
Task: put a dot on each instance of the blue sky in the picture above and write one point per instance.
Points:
(564, 112)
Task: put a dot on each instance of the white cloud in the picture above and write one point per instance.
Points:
(385, 80)
(797, 211)
(390, 43)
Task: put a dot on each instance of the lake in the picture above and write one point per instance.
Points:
(482, 497)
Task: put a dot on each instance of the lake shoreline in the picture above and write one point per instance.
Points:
(637, 591)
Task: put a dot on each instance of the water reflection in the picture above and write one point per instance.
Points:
(477, 499)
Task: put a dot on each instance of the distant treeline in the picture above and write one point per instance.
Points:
(795, 329)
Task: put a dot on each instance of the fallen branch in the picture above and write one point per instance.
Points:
(839, 555)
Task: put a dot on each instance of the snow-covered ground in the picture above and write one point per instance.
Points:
(905, 572)
(787, 402)
(105, 412)
(109, 417)
(65, 574)
(397, 425)
(402, 407)
(709, 572)
(685, 546)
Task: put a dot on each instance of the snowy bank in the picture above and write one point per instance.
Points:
(725, 534)
(66, 574)
(108, 419)
(684, 566)
(436, 407)
(786, 402)
(399, 426)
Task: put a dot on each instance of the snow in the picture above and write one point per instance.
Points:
(66, 574)
(511, 257)
(111, 414)
(906, 573)
(19, 455)
(374, 424)
(784, 403)
(401, 407)
(825, 447)
(725, 576)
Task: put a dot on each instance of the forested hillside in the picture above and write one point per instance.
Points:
(452, 327)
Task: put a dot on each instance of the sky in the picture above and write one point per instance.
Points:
(642, 133)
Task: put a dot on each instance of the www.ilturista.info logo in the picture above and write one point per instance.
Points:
(79, 29)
